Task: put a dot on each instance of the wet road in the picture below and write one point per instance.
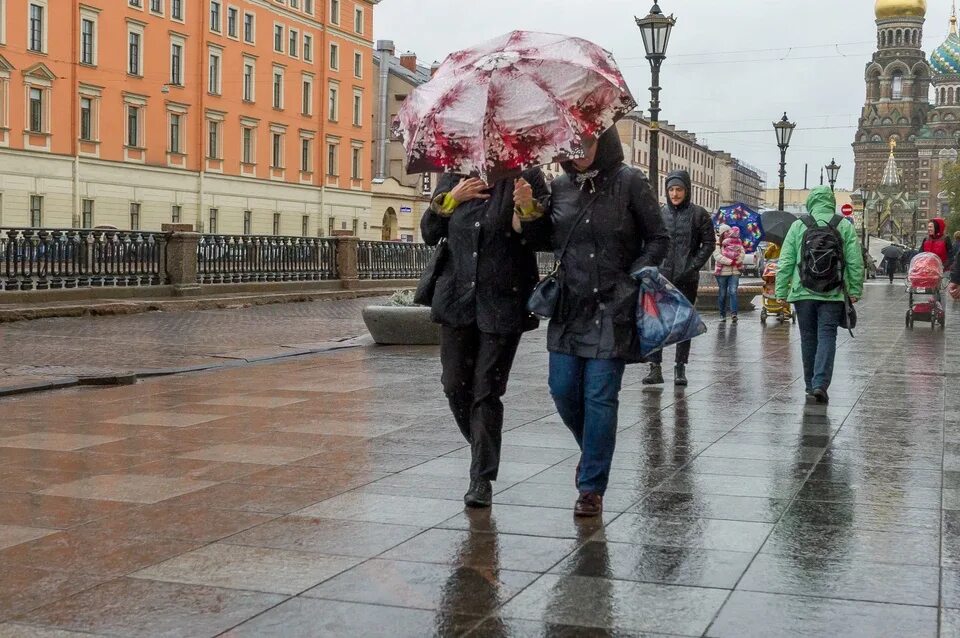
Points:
(321, 497)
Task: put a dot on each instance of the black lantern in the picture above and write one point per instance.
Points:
(784, 129)
(655, 30)
(833, 169)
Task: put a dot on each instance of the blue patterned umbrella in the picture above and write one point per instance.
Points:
(744, 218)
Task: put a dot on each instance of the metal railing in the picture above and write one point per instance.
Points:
(52, 258)
(392, 260)
(241, 258)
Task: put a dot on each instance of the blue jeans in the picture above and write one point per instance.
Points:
(587, 395)
(728, 293)
(819, 321)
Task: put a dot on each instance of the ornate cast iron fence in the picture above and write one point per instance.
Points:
(51, 258)
(241, 258)
(392, 260)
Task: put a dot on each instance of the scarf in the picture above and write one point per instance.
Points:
(587, 181)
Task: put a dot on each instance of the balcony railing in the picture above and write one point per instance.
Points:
(50, 258)
(391, 260)
(241, 258)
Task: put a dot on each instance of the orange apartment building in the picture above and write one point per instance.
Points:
(237, 116)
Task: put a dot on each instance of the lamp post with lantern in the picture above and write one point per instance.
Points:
(655, 30)
(833, 169)
(784, 129)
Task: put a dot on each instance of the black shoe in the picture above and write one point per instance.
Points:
(480, 494)
(656, 375)
(589, 504)
(680, 375)
(821, 396)
(810, 397)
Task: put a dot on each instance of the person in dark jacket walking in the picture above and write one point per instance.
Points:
(692, 243)
(608, 211)
(954, 287)
(480, 302)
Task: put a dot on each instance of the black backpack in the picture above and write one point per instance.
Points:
(821, 256)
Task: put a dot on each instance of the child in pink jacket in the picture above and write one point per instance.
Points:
(729, 257)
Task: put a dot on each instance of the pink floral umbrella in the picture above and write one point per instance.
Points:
(521, 100)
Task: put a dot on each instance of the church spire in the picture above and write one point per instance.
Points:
(953, 19)
(891, 176)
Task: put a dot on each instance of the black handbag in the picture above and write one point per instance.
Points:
(849, 319)
(428, 280)
(545, 297)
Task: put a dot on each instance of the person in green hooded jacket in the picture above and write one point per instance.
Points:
(819, 314)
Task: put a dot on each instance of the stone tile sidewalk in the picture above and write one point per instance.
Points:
(320, 496)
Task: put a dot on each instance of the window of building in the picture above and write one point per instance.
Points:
(308, 6)
(175, 213)
(135, 3)
(134, 53)
(212, 227)
(358, 20)
(134, 122)
(276, 223)
(37, 28)
(334, 57)
(88, 40)
(307, 47)
(294, 39)
(278, 38)
(358, 65)
(305, 225)
(36, 211)
(215, 16)
(86, 118)
(86, 213)
(307, 102)
(176, 9)
(249, 75)
(277, 88)
(333, 150)
(294, 4)
(277, 159)
(335, 11)
(897, 86)
(247, 222)
(176, 132)
(233, 22)
(306, 155)
(356, 170)
(134, 216)
(176, 63)
(37, 111)
(213, 139)
(246, 145)
(249, 27)
(214, 72)
(333, 104)
(357, 108)
(156, 6)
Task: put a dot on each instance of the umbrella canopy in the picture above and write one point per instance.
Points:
(776, 224)
(521, 100)
(744, 218)
(893, 252)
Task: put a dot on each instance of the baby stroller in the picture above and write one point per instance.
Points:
(771, 306)
(925, 277)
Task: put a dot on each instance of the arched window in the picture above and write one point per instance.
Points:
(950, 96)
(899, 37)
(883, 38)
(896, 92)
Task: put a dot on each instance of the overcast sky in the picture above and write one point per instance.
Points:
(732, 66)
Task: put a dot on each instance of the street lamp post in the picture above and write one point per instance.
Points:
(784, 129)
(833, 169)
(655, 29)
(864, 238)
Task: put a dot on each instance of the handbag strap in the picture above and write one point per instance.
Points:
(582, 214)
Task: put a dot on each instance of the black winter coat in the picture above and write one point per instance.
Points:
(491, 270)
(620, 233)
(692, 238)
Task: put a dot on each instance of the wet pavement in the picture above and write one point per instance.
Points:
(321, 496)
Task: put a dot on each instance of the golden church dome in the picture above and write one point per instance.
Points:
(901, 9)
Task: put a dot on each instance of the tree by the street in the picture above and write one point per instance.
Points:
(951, 186)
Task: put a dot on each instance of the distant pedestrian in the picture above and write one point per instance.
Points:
(937, 241)
(891, 267)
(819, 265)
(692, 241)
(954, 288)
(480, 302)
(729, 258)
(956, 247)
(606, 215)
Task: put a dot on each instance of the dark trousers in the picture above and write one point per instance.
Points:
(689, 290)
(819, 321)
(476, 366)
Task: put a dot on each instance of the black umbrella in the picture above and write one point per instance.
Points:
(775, 224)
(893, 252)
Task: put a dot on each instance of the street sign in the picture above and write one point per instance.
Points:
(405, 210)
(847, 209)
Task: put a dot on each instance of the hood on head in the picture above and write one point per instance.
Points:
(822, 201)
(609, 153)
(684, 178)
(732, 233)
(940, 227)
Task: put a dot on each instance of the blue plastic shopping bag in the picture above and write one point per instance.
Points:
(664, 315)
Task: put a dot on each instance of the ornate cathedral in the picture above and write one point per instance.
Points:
(907, 131)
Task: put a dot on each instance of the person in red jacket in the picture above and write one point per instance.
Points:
(937, 242)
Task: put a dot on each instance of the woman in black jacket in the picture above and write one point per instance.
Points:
(612, 218)
(480, 302)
